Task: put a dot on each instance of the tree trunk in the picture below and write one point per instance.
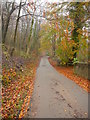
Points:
(29, 39)
(54, 46)
(13, 49)
(25, 35)
(5, 29)
(17, 25)
(5, 26)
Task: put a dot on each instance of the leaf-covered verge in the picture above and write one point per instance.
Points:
(69, 73)
(18, 76)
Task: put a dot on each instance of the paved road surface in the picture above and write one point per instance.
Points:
(55, 96)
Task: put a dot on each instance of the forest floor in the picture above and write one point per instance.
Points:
(56, 96)
(69, 73)
(17, 85)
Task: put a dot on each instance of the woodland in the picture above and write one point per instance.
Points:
(33, 29)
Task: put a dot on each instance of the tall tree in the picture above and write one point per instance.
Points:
(78, 11)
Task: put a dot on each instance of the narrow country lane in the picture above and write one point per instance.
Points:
(55, 96)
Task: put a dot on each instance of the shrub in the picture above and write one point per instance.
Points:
(82, 53)
(65, 51)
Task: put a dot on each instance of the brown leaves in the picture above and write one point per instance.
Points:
(44, 13)
(8, 75)
(68, 72)
(16, 96)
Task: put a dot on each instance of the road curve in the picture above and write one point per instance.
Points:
(56, 96)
